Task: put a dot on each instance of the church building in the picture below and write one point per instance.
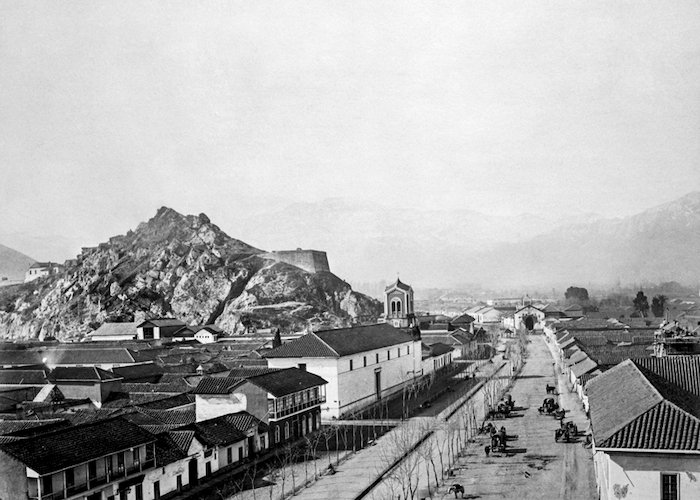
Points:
(398, 305)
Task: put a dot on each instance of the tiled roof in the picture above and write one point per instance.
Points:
(635, 408)
(109, 329)
(172, 388)
(85, 356)
(80, 417)
(171, 417)
(288, 381)
(462, 319)
(398, 284)
(438, 349)
(613, 354)
(252, 371)
(341, 342)
(683, 371)
(576, 357)
(664, 427)
(218, 431)
(168, 402)
(23, 377)
(244, 421)
(168, 449)
(451, 339)
(217, 385)
(20, 427)
(134, 372)
(65, 448)
(81, 374)
(161, 322)
(585, 366)
(583, 379)
(18, 358)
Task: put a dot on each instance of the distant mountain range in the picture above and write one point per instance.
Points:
(13, 264)
(444, 247)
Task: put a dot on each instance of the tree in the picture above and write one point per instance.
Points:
(576, 294)
(641, 304)
(658, 305)
(277, 340)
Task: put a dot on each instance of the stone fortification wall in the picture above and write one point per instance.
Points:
(312, 261)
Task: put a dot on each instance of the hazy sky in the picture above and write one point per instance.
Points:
(111, 109)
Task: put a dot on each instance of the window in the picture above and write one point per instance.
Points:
(208, 453)
(364, 359)
(70, 477)
(669, 487)
(302, 366)
(262, 441)
(137, 457)
(408, 349)
(377, 357)
(120, 461)
(286, 430)
(46, 485)
(229, 454)
(277, 434)
(388, 355)
(351, 365)
(398, 352)
(139, 492)
(208, 468)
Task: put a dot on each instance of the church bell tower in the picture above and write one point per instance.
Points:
(398, 305)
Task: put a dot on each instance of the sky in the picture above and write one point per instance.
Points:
(109, 110)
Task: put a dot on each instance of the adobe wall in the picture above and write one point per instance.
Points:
(312, 261)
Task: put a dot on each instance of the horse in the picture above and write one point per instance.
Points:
(456, 488)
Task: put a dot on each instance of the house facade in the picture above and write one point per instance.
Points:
(646, 434)
(106, 460)
(41, 269)
(158, 328)
(362, 364)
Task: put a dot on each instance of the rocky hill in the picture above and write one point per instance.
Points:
(180, 266)
(13, 264)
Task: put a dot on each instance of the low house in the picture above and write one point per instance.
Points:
(105, 459)
(86, 382)
(178, 456)
(217, 396)
(207, 334)
(435, 357)
(111, 332)
(294, 399)
(362, 364)
(646, 433)
(158, 328)
(41, 269)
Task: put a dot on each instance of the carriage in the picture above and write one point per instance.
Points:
(549, 406)
(500, 411)
(566, 432)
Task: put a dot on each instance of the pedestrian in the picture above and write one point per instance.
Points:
(487, 450)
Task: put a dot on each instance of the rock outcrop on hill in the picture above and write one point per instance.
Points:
(184, 267)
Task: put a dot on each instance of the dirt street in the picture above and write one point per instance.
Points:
(533, 466)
